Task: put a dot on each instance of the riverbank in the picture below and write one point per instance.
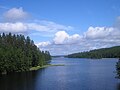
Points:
(34, 68)
(44, 66)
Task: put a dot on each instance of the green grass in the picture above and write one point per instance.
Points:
(39, 67)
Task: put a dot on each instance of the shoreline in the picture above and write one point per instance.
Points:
(35, 68)
(44, 66)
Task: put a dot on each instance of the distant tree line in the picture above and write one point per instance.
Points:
(113, 52)
(19, 53)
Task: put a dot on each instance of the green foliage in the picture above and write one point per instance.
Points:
(113, 52)
(18, 53)
(118, 68)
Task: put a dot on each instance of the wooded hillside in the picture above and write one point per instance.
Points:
(112, 52)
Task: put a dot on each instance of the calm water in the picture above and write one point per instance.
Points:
(77, 74)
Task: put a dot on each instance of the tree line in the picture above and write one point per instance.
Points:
(19, 53)
(113, 52)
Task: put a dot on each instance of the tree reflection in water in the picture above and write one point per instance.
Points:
(118, 86)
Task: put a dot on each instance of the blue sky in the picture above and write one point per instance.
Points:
(65, 26)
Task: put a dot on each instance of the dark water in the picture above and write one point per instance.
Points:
(77, 74)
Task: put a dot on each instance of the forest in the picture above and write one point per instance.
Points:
(19, 53)
(112, 52)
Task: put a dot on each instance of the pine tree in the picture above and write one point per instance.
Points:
(18, 53)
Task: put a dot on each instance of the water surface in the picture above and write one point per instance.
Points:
(77, 74)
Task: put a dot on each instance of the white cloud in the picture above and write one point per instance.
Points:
(15, 14)
(37, 27)
(25, 27)
(93, 38)
(98, 32)
(55, 26)
(61, 37)
(49, 26)
(74, 39)
(13, 27)
(15, 22)
(62, 43)
(43, 44)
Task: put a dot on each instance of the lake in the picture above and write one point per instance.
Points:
(77, 74)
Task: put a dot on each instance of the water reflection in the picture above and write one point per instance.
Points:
(18, 81)
(118, 86)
